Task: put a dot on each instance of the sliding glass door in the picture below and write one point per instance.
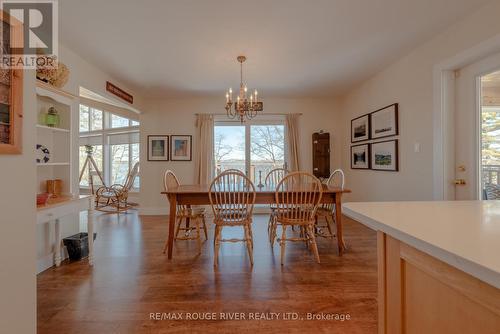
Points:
(229, 148)
(253, 148)
(267, 150)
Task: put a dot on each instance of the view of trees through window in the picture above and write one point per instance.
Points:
(266, 149)
(114, 138)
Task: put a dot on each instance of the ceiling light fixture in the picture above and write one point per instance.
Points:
(244, 108)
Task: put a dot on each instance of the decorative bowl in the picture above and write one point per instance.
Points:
(41, 199)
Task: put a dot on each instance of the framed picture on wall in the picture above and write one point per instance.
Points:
(181, 148)
(158, 148)
(360, 156)
(384, 155)
(360, 128)
(384, 122)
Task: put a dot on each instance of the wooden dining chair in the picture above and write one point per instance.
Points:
(232, 197)
(325, 215)
(185, 216)
(297, 198)
(271, 181)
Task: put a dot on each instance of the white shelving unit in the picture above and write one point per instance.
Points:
(61, 141)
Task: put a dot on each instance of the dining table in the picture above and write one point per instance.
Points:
(199, 195)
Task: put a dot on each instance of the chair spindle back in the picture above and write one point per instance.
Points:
(297, 197)
(232, 197)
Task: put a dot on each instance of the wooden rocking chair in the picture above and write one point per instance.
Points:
(114, 199)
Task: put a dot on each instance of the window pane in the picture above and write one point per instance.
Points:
(96, 123)
(97, 155)
(134, 159)
(84, 118)
(267, 150)
(119, 163)
(135, 123)
(229, 148)
(118, 122)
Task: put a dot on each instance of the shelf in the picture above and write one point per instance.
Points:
(53, 164)
(43, 85)
(52, 128)
(3, 123)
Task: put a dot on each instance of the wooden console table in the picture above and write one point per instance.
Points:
(57, 208)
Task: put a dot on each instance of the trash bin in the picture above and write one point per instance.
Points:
(77, 245)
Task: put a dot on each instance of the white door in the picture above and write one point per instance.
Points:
(474, 127)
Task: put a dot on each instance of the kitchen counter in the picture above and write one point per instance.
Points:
(436, 260)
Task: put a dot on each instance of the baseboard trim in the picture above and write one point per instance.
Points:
(48, 261)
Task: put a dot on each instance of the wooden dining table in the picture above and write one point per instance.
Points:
(198, 195)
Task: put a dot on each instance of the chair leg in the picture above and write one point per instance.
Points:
(269, 224)
(282, 242)
(274, 230)
(218, 230)
(303, 234)
(329, 222)
(312, 238)
(248, 237)
(204, 227)
(198, 234)
(178, 228)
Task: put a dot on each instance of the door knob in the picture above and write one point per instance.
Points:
(460, 182)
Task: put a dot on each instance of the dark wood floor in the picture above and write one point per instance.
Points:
(132, 279)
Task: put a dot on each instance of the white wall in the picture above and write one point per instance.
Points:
(87, 75)
(166, 117)
(17, 226)
(409, 82)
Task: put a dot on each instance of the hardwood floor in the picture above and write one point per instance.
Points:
(132, 279)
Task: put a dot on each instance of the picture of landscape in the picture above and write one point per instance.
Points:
(383, 159)
(384, 122)
(360, 156)
(360, 128)
(360, 131)
(384, 155)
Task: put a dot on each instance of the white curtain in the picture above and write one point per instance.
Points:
(292, 140)
(204, 142)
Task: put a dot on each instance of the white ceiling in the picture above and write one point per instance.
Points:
(294, 47)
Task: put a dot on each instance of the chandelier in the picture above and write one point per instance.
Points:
(243, 107)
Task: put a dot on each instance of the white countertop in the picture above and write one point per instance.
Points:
(464, 234)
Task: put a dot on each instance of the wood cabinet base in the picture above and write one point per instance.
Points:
(420, 294)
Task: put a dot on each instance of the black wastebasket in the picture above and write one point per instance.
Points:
(77, 245)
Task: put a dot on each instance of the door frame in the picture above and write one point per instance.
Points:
(444, 114)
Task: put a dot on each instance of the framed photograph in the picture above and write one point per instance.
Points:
(360, 156)
(181, 148)
(157, 148)
(384, 122)
(384, 155)
(360, 128)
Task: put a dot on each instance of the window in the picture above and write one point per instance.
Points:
(119, 122)
(90, 119)
(115, 140)
(255, 148)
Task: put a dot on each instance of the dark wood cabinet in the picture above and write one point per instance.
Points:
(321, 154)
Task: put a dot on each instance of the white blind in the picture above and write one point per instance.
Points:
(124, 138)
(91, 140)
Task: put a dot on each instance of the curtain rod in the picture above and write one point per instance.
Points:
(269, 114)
